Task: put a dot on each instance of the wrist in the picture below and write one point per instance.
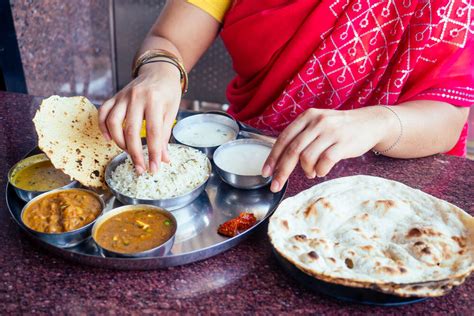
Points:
(389, 128)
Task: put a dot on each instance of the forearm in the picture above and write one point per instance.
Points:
(182, 29)
(429, 127)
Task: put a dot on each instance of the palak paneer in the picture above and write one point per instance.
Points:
(40, 176)
(134, 231)
(63, 211)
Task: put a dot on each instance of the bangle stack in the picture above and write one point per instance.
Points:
(162, 56)
(399, 135)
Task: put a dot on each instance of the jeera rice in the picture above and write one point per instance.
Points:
(188, 169)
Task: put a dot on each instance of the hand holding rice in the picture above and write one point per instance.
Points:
(188, 169)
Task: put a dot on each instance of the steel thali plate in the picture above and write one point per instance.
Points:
(196, 237)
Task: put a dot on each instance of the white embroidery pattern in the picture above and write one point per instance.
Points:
(383, 42)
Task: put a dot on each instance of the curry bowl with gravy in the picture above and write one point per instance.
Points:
(135, 231)
(63, 217)
(36, 175)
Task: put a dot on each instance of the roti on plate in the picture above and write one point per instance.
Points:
(68, 132)
(369, 232)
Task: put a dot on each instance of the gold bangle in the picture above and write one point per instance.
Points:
(150, 55)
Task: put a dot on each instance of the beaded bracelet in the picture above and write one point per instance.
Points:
(399, 136)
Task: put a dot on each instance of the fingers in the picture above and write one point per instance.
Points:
(154, 128)
(114, 123)
(281, 144)
(104, 111)
(309, 157)
(133, 141)
(328, 159)
(290, 156)
(167, 127)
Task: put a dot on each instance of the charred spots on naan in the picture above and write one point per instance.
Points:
(385, 205)
(418, 232)
(285, 225)
(349, 263)
(313, 255)
(311, 211)
(300, 237)
(367, 247)
(460, 240)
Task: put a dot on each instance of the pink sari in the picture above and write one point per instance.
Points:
(291, 55)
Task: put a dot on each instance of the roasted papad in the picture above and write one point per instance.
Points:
(68, 132)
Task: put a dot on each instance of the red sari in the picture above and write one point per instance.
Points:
(291, 55)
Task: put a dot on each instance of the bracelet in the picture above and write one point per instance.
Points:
(150, 55)
(399, 136)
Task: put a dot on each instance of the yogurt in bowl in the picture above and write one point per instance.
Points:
(240, 162)
(205, 132)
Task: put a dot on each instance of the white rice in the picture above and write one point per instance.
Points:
(188, 169)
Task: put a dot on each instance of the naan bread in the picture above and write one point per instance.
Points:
(68, 132)
(369, 232)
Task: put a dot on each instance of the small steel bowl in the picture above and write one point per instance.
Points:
(27, 195)
(158, 251)
(67, 239)
(237, 180)
(169, 204)
(201, 118)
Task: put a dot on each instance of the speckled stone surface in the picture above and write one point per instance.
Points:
(65, 46)
(245, 279)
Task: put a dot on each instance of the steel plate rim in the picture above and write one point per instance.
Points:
(62, 252)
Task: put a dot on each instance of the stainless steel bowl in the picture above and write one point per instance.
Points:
(68, 239)
(169, 204)
(237, 180)
(27, 195)
(201, 118)
(161, 250)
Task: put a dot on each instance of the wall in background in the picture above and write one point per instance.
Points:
(65, 47)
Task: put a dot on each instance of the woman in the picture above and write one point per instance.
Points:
(336, 78)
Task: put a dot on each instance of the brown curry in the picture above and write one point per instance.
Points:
(40, 176)
(134, 231)
(63, 211)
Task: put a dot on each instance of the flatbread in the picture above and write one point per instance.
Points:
(369, 232)
(68, 132)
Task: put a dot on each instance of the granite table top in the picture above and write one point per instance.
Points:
(246, 279)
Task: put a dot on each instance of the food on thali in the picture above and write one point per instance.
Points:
(237, 225)
(62, 211)
(134, 231)
(68, 132)
(188, 169)
(40, 176)
(205, 134)
(244, 159)
(370, 232)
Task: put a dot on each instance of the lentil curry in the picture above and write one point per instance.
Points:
(134, 231)
(62, 211)
(40, 176)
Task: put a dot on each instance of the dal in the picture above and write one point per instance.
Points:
(40, 176)
(134, 231)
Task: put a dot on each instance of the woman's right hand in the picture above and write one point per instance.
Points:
(155, 96)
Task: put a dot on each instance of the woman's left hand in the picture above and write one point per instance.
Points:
(320, 138)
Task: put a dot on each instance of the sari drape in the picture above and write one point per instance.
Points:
(291, 55)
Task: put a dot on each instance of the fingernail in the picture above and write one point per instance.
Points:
(139, 169)
(153, 167)
(266, 171)
(275, 187)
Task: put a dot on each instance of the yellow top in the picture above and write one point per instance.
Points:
(215, 8)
